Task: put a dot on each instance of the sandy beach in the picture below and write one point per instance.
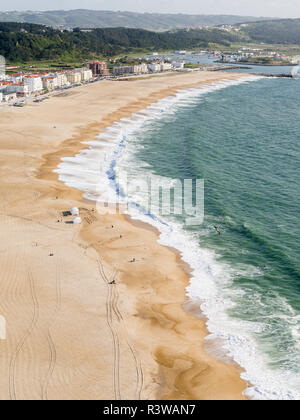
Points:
(70, 334)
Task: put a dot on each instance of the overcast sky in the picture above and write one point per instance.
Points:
(276, 8)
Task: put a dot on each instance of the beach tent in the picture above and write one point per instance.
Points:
(77, 220)
(74, 211)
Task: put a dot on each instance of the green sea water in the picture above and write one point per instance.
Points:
(244, 141)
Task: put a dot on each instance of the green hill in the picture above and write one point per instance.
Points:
(21, 42)
(107, 19)
(284, 31)
(24, 42)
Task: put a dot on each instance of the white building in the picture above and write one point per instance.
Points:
(86, 74)
(178, 64)
(50, 82)
(296, 59)
(34, 83)
(74, 77)
(154, 68)
(140, 68)
(17, 77)
(19, 88)
(165, 66)
(61, 79)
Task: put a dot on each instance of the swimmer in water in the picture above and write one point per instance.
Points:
(217, 230)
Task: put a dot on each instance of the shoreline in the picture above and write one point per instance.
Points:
(169, 371)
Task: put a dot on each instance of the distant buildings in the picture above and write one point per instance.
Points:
(296, 59)
(33, 84)
(178, 64)
(155, 67)
(26, 84)
(136, 69)
(165, 66)
(99, 68)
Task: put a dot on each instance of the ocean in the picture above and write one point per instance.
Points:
(242, 138)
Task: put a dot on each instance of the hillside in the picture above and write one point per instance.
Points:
(21, 42)
(24, 42)
(284, 31)
(108, 19)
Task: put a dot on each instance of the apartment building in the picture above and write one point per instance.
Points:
(61, 79)
(154, 67)
(99, 68)
(86, 74)
(19, 88)
(50, 82)
(178, 64)
(123, 70)
(34, 83)
(74, 77)
(141, 68)
(136, 69)
(165, 66)
(16, 77)
(4, 83)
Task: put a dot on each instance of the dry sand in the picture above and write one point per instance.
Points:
(70, 335)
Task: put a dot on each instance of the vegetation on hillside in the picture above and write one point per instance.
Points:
(24, 42)
(285, 31)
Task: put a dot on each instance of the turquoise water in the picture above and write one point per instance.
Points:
(243, 139)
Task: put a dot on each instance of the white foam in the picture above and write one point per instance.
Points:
(210, 279)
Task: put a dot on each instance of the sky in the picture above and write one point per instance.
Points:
(272, 8)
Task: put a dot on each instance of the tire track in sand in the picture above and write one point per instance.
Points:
(137, 362)
(52, 348)
(20, 345)
(112, 306)
(115, 337)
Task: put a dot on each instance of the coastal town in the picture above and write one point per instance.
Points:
(22, 86)
(16, 87)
